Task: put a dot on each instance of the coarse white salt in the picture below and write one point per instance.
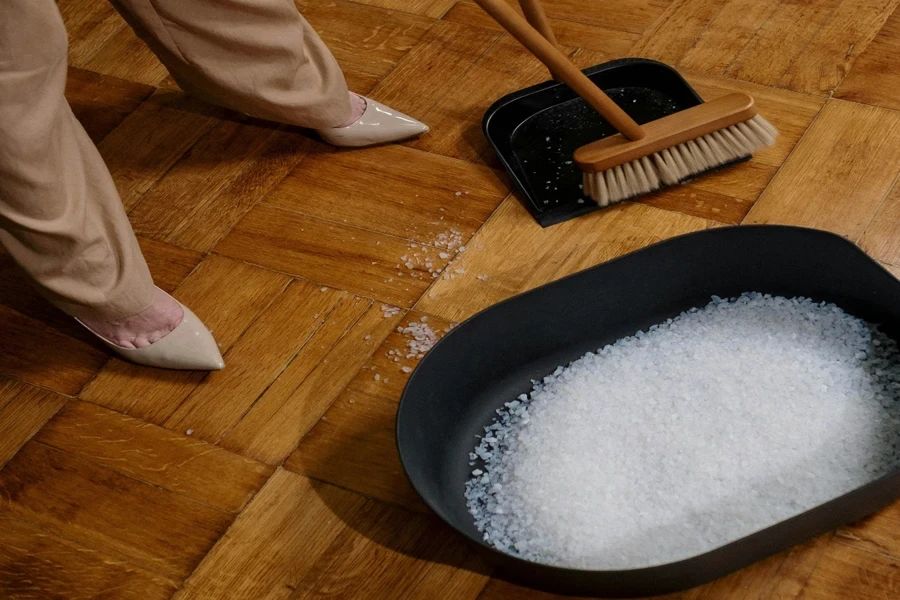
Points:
(682, 438)
(420, 338)
(389, 311)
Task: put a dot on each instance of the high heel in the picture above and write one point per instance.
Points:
(379, 124)
(190, 346)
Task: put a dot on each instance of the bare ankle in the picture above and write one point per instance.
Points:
(144, 328)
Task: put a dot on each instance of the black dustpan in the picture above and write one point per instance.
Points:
(536, 130)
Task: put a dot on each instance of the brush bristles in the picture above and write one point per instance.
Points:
(679, 163)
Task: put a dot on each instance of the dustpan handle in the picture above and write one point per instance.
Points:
(562, 67)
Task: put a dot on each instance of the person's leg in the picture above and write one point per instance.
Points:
(259, 57)
(262, 58)
(61, 218)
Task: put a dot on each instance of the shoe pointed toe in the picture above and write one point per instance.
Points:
(189, 347)
(379, 124)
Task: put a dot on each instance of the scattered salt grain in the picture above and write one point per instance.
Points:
(389, 311)
(189, 432)
(692, 434)
(406, 369)
(481, 277)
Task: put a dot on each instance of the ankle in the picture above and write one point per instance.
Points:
(357, 108)
(144, 328)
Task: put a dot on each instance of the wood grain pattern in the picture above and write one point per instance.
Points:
(101, 102)
(169, 264)
(778, 42)
(23, 411)
(846, 572)
(398, 555)
(226, 308)
(824, 63)
(354, 445)
(361, 83)
(881, 238)
(433, 67)
(293, 404)
(536, 256)
(726, 34)
(364, 38)
(260, 356)
(876, 533)
(613, 43)
(628, 15)
(393, 190)
(274, 543)
(800, 562)
(151, 139)
(151, 454)
(38, 343)
(363, 262)
(232, 167)
(36, 565)
(676, 29)
(872, 79)
(90, 24)
(126, 56)
(823, 185)
(427, 8)
(150, 527)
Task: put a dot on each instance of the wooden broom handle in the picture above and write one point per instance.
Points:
(562, 67)
(534, 14)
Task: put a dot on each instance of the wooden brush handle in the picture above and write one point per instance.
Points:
(559, 65)
(535, 15)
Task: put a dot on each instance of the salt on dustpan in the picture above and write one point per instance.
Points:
(695, 433)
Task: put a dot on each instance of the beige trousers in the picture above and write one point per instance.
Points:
(61, 218)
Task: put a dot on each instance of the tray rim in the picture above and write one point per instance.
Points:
(887, 486)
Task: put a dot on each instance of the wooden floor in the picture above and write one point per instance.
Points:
(277, 478)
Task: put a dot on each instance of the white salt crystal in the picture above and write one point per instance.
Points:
(690, 435)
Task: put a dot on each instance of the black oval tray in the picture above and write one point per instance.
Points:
(535, 131)
(492, 358)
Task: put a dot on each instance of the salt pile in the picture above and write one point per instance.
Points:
(700, 431)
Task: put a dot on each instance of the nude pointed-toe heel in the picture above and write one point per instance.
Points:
(379, 124)
(190, 346)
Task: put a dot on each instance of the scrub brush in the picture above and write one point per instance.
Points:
(643, 158)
